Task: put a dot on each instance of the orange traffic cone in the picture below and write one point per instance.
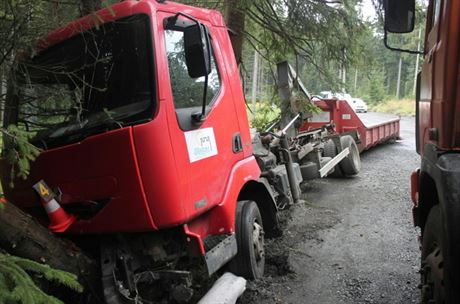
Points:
(60, 220)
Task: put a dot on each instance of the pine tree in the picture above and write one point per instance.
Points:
(18, 286)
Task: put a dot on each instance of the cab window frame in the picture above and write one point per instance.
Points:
(184, 113)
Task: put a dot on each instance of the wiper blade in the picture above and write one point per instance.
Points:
(69, 129)
(76, 135)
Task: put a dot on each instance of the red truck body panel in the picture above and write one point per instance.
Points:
(345, 119)
(101, 168)
(439, 103)
(142, 174)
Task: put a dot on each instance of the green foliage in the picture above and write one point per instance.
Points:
(19, 152)
(17, 286)
(266, 113)
(405, 107)
(302, 103)
(374, 91)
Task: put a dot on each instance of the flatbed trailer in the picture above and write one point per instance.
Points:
(373, 128)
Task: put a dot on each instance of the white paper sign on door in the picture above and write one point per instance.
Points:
(201, 144)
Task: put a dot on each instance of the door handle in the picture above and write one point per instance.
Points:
(236, 143)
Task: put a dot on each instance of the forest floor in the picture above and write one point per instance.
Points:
(352, 240)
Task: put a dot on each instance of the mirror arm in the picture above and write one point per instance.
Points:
(385, 41)
(201, 116)
(197, 117)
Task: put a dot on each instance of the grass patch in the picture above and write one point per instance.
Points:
(404, 107)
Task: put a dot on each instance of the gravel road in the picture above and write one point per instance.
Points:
(352, 241)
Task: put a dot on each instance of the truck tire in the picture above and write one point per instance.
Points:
(250, 259)
(432, 273)
(330, 150)
(350, 165)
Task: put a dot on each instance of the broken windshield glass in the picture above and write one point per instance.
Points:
(102, 77)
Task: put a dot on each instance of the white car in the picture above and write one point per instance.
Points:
(326, 94)
(359, 105)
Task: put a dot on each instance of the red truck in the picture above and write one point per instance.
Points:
(140, 115)
(368, 130)
(435, 186)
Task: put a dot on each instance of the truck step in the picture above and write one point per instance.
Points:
(221, 254)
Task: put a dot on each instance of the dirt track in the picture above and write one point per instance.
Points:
(353, 240)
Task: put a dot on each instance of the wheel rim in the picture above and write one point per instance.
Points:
(433, 277)
(355, 156)
(258, 242)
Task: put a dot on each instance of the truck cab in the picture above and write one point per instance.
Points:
(140, 116)
(435, 185)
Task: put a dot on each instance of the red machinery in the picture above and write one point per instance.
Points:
(160, 172)
(371, 130)
(435, 186)
(141, 117)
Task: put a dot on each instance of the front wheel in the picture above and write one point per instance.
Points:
(250, 259)
(432, 272)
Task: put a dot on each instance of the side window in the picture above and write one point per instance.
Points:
(187, 91)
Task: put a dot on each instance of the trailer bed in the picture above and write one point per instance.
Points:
(372, 119)
(379, 127)
(373, 128)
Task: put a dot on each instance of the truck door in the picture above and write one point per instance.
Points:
(204, 152)
(427, 94)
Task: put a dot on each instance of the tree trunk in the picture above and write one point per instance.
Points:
(235, 19)
(398, 85)
(2, 98)
(356, 81)
(255, 70)
(11, 102)
(10, 109)
(23, 236)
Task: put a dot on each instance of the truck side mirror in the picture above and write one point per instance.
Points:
(399, 15)
(197, 50)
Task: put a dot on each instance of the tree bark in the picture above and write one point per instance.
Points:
(235, 19)
(255, 72)
(398, 85)
(23, 236)
(10, 109)
(10, 115)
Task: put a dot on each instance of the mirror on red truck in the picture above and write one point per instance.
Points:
(399, 19)
(197, 53)
(399, 16)
(196, 44)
